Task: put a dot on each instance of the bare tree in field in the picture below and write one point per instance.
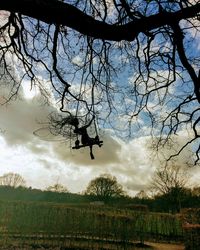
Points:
(171, 183)
(118, 60)
(169, 177)
(12, 180)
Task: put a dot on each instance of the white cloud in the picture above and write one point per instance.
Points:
(47, 163)
(107, 154)
(30, 93)
(44, 163)
(20, 118)
(78, 60)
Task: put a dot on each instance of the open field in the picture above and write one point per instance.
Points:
(52, 226)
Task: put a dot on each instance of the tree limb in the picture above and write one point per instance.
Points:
(61, 13)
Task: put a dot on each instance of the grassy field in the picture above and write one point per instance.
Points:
(83, 227)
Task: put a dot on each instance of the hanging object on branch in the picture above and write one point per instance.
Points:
(86, 140)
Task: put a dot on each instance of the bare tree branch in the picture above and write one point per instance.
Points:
(60, 13)
(118, 60)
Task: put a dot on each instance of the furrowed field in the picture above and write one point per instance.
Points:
(47, 225)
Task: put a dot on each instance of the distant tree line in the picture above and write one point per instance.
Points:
(106, 189)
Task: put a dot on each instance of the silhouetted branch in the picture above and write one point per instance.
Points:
(120, 61)
(61, 13)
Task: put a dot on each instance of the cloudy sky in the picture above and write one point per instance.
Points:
(43, 163)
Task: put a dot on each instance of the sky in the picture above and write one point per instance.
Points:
(44, 163)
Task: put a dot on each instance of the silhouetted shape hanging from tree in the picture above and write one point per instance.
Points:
(68, 127)
(86, 48)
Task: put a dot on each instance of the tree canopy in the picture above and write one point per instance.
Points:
(104, 187)
(131, 64)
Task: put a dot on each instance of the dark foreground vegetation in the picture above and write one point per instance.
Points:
(32, 219)
(67, 225)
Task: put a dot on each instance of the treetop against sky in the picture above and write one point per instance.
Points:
(134, 65)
